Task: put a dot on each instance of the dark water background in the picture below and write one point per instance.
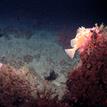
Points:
(52, 14)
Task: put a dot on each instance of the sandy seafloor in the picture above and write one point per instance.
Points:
(36, 49)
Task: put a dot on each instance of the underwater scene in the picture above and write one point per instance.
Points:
(53, 54)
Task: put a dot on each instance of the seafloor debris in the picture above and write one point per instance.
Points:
(52, 75)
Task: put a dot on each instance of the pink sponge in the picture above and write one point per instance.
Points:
(87, 84)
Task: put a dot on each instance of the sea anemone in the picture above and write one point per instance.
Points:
(82, 39)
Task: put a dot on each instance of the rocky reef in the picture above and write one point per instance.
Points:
(86, 85)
